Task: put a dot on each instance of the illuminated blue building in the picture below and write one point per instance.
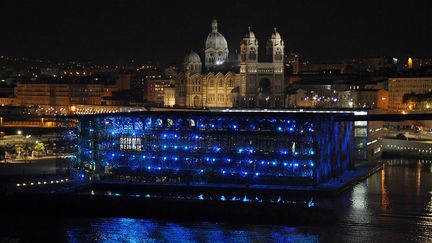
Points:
(246, 147)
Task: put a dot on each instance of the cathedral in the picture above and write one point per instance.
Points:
(233, 79)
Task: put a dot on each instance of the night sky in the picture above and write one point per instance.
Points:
(116, 31)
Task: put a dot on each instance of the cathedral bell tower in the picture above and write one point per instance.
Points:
(249, 48)
(275, 48)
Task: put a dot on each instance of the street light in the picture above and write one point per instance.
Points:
(19, 132)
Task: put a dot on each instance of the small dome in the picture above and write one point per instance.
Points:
(276, 35)
(250, 34)
(192, 57)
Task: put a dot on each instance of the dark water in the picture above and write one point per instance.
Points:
(394, 205)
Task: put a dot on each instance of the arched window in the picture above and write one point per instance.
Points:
(211, 82)
(221, 83)
(230, 83)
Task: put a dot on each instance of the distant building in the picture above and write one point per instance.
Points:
(337, 92)
(398, 87)
(156, 90)
(59, 93)
(359, 65)
(323, 68)
(292, 63)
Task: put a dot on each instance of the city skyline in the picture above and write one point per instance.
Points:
(165, 32)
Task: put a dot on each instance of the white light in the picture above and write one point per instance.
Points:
(19, 132)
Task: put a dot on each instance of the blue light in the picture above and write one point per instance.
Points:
(311, 164)
(311, 203)
(175, 158)
(257, 174)
(213, 159)
(229, 160)
(147, 195)
(245, 199)
(311, 152)
(164, 146)
(116, 194)
(148, 167)
(196, 136)
(223, 172)
(186, 147)
(201, 197)
(240, 150)
(112, 155)
(216, 149)
(223, 198)
(262, 162)
(250, 161)
(112, 133)
(245, 173)
(234, 126)
(159, 168)
(144, 156)
(175, 147)
(165, 135)
(164, 158)
(291, 129)
(274, 163)
(295, 153)
(285, 164)
(201, 170)
(296, 164)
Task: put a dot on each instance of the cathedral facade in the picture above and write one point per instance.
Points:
(233, 80)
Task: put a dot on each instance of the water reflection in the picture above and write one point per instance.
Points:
(394, 204)
(144, 230)
(384, 193)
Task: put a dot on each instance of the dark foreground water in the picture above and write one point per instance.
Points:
(394, 205)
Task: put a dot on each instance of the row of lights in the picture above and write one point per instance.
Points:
(203, 197)
(429, 150)
(41, 182)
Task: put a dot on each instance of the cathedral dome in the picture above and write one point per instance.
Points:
(216, 40)
(192, 57)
